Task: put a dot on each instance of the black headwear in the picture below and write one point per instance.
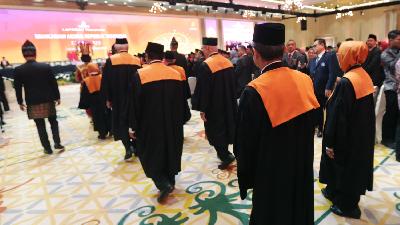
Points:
(210, 41)
(154, 48)
(86, 58)
(121, 41)
(269, 34)
(174, 42)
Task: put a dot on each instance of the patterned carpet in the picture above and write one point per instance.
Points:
(90, 184)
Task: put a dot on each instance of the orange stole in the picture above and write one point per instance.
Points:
(286, 94)
(180, 70)
(93, 83)
(124, 58)
(217, 63)
(361, 82)
(82, 71)
(158, 72)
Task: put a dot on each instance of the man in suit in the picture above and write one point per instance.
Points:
(41, 95)
(373, 63)
(324, 71)
(244, 70)
(292, 58)
(180, 58)
(389, 58)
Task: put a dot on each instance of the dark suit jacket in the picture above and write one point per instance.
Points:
(38, 81)
(181, 61)
(373, 66)
(293, 63)
(324, 73)
(244, 69)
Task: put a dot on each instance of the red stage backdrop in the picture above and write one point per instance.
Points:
(55, 33)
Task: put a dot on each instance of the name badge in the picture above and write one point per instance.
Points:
(323, 64)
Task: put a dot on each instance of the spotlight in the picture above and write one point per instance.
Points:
(82, 4)
(172, 2)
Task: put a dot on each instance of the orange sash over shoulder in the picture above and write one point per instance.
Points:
(93, 83)
(286, 94)
(124, 58)
(180, 70)
(361, 82)
(158, 72)
(217, 63)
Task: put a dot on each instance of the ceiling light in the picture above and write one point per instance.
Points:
(292, 5)
(157, 8)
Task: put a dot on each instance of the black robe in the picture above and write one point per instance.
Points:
(114, 86)
(350, 131)
(186, 91)
(156, 114)
(97, 104)
(276, 162)
(215, 95)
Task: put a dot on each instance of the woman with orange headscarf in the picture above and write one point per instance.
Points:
(349, 134)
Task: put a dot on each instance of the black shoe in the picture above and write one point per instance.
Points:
(225, 164)
(398, 158)
(319, 134)
(164, 194)
(48, 151)
(326, 194)
(101, 137)
(354, 214)
(59, 147)
(133, 150)
(128, 155)
(3, 123)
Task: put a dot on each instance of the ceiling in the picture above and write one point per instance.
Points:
(267, 8)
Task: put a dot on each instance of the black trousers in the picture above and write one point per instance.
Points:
(345, 201)
(398, 140)
(164, 181)
(320, 112)
(41, 127)
(3, 99)
(389, 122)
(222, 152)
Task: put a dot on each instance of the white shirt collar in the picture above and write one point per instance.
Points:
(321, 54)
(269, 65)
(155, 61)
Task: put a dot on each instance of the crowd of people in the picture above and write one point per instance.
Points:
(267, 103)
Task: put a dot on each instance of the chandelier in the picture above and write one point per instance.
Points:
(248, 14)
(292, 5)
(157, 8)
(299, 19)
(341, 15)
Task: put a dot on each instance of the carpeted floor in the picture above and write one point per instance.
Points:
(89, 183)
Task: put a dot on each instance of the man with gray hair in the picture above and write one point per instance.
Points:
(293, 58)
(117, 73)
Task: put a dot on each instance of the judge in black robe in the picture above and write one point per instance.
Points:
(274, 144)
(349, 134)
(215, 98)
(170, 60)
(156, 119)
(93, 99)
(117, 72)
